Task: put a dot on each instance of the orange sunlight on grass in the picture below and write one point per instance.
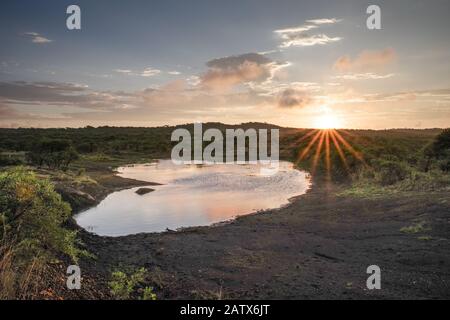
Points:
(322, 140)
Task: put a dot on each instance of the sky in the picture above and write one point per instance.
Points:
(293, 63)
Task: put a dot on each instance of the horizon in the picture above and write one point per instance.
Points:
(299, 64)
(228, 124)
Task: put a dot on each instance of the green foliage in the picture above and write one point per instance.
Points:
(54, 153)
(33, 215)
(11, 159)
(365, 190)
(391, 172)
(148, 294)
(125, 287)
(121, 286)
(391, 157)
(392, 160)
(32, 233)
(87, 147)
(441, 145)
(89, 140)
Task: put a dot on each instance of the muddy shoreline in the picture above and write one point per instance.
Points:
(317, 247)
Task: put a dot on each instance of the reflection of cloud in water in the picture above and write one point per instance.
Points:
(191, 196)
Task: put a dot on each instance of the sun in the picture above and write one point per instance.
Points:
(327, 121)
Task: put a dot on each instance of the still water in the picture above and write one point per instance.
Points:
(191, 195)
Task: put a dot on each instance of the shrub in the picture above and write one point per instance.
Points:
(8, 160)
(391, 172)
(54, 153)
(441, 145)
(32, 216)
(148, 294)
(124, 287)
(87, 147)
(445, 165)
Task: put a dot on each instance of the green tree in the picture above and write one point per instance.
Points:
(54, 153)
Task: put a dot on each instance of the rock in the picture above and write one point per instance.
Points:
(142, 191)
(77, 199)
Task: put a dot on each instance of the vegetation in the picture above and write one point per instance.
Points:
(54, 153)
(109, 141)
(383, 161)
(77, 162)
(389, 160)
(125, 287)
(416, 228)
(32, 232)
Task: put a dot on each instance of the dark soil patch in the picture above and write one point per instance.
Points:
(319, 247)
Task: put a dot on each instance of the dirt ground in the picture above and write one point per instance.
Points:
(318, 247)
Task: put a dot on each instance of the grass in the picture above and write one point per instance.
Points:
(394, 161)
(415, 228)
(361, 190)
(415, 182)
(217, 294)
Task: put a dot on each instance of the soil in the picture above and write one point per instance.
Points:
(318, 247)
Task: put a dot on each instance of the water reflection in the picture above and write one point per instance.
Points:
(191, 195)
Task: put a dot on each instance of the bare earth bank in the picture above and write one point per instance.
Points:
(318, 247)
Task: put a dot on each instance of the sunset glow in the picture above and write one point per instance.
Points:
(169, 64)
(328, 121)
(320, 146)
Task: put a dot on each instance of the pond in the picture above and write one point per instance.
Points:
(191, 195)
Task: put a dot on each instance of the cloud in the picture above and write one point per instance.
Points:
(304, 40)
(364, 76)
(293, 98)
(174, 73)
(291, 95)
(147, 72)
(126, 71)
(150, 72)
(295, 30)
(298, 36)
(324, 21)
(37, 38)
(66, 104)
(438, 96)
(35, 91)
(366, 61)
(193, 80)
(41, 94)
(224, 73)
(6, 111)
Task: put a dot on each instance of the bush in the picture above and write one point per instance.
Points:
(391, 172)
(441, 145)
(445, 165)
(6, 160)
(87, 147)
(54, 153)
(125, 287)
(32, 216)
